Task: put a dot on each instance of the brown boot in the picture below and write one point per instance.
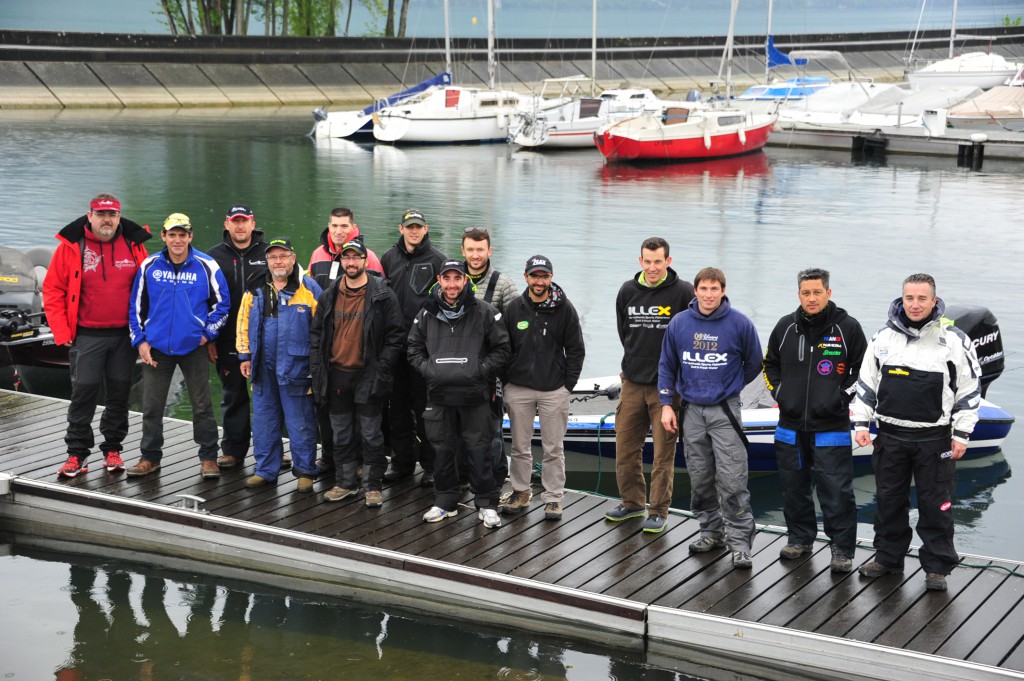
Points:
(209, 469)
(143, 467)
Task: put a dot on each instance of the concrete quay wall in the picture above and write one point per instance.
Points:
(65, 70)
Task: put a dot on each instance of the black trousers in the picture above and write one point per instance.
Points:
(409, 441)
(234, 402)
(358, 439)
(473, 426)
(897, 462)
(99, 361)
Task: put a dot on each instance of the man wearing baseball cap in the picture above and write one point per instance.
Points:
(85, 294)
(179, 304)
(241, 258)
(273, 344)
(458, 344)
(412, 266)
(356, 339)
(547, 358)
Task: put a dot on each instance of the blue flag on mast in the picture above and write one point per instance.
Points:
(774, 56)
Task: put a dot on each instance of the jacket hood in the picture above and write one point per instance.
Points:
(74, 231)
(670, 278)
(896, 321)
(257, 237)
(719, 312)
(325, 239)
(435, 301)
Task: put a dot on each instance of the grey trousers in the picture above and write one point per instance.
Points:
(553, 409)
(717, 462)
(156, 383)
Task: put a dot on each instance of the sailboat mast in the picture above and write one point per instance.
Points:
(593, 52)
(952, 31)
(490, 44)
(727, 57)
(447, 39)
(767, 37)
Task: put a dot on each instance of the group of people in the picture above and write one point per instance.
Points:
(422, 355)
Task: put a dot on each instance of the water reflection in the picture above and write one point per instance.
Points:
(137, 621)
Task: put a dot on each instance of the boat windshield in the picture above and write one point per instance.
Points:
(16, 272)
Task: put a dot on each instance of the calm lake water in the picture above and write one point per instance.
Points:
(557, 18)
(761, 219)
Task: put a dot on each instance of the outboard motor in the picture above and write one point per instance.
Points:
(981, 327)
(19, 287)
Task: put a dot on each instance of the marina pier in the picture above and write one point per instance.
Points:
(581, 577)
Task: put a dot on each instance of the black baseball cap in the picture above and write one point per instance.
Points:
(413, 217)
(239, 211)
(538, 263)
(280, 242)
(356, 245)
(452, 265)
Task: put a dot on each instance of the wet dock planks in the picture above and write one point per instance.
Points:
(979, 619)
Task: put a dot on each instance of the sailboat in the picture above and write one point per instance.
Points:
(343, 124)
(453, 114)
(689, 132)
(980, 69)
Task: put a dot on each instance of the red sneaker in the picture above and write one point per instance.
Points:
(72, 467)
(114, 462)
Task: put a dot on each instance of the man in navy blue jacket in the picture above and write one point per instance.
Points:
(179, 303)
(709, 353)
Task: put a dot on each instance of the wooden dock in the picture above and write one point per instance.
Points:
(582, 576)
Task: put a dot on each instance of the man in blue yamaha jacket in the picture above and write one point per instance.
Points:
(179, 303)
(709, 353)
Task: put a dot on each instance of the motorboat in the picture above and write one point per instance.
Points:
(978, 69)
(832, 105)
(685, 134)
(1000, 108)
(359, 124)
(572, 123)
(591, 428)
(898, 107)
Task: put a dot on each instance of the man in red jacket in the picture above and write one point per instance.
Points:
(85, 296)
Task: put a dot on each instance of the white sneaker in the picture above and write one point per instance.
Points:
(490, 517)
(436, 514)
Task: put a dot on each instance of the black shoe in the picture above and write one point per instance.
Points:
(427, 480)
(394, 476)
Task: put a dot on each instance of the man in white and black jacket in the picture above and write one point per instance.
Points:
(920, 382)
(810, 366)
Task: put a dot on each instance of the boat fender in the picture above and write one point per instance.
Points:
(502, 120)
(707, 139)
(743, 137)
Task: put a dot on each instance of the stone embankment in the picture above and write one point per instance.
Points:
(65, 70)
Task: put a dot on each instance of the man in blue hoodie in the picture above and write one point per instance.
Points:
(709, 353)
(179, 303)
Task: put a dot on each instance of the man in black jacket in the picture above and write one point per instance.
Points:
(547, 358)
(458, 345)
(242, 258)
(811, 367)
(412, 266)
(643, 308)
(356, 338)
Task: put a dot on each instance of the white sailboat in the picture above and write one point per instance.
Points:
(453, 114)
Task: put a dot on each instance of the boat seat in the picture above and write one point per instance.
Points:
(676, 114)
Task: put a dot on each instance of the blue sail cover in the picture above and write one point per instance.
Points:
(443, 78)
(775, 57)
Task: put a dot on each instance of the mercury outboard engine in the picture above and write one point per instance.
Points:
(981, 327)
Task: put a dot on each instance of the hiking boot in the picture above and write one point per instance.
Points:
(876, 569)
(489, 517)
(286, 462)
(655, 524)
(374, 499)
(256, 481)
(516, 502)
(113, 462)
(436, 514)
(620, 512)
(209, 470)
(840, 561)
(337, 493)
(705, 544)
(553, 510)
(143, 467)
(304, 485)
(933, 581)
(794, 551)
(227, 461)
(741, 560)
(72, 467)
